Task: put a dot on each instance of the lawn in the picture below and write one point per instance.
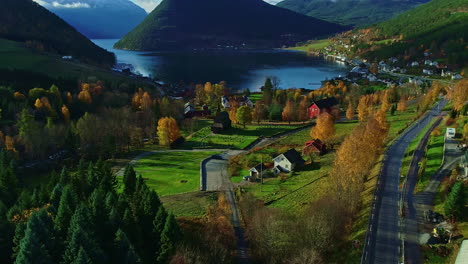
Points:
(400, 121)
(313, 45)
(172, 173)
(433, 159)
(406, 162)
(234, 138)
(192, 204)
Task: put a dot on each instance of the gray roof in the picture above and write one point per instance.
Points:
(293, 156)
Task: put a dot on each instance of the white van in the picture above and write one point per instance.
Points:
(450, 132)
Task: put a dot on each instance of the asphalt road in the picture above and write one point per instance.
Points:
(383, 239)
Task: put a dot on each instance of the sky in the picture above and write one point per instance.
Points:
(149, 5)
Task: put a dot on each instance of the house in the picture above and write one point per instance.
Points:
(314, 146)
(67, 58)
(258, 171)
(189, 111)
(287, 161)
(414, 64)
(427, 72)
(320, 106)
(457, 77)
(244, 100)
(221, 122)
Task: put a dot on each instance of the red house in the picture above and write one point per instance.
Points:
(314, 146)
(320, 106)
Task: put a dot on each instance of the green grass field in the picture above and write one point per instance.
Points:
(313, 45)
(412, 148)
(234, 138)
(15, 55)
(192, 204)
(172, 172)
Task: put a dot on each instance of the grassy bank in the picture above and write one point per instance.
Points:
(172, 173)
(313, 45)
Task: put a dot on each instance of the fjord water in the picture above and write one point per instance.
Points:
(240, 69)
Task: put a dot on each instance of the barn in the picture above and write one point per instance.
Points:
(320, 106)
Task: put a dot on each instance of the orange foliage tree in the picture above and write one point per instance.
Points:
(402, 104)
(288, 112)
(350, 112)
(302, 111)
(363, 108)
(325, 127)
(460, 94)
(85, 97)
(66, 113)
(168, 131)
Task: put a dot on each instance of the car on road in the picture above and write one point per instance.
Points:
(451, 132)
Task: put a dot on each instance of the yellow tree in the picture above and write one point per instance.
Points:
(69, 98)
(259, 112)
(302, 111)
(174, 131)
(9, 143)
(146, 102)
(385, 102)
(460, 94)
(85, 97)
(324, 128)
(288, 112)
(164, 134)
(244, 115)
(363, 108)
(38, 104)
(350, 112)
(66, 113)
(465, 131)
(402, 104)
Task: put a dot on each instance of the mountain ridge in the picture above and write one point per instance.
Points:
(28, 22)
(351, 12)
(176, 24)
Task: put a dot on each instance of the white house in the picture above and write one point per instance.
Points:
(225, 102)
(287, 161)
(457, 77)
(414, 64)
(246, 101)
(258, 171)
(67, 57)
(427, 72)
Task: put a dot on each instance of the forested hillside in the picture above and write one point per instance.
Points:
(27, 21)
(351, 12)
(177, 24)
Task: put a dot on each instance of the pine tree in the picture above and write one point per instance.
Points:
(82, 258)
(6, 235)
(124, 253)
(55, 198)
(268, 92)
(455, 201)
(19, 234)
(65, 211)
(36, 245)
(81, 235)
(158, 227)
(129, 180)
(170, 236)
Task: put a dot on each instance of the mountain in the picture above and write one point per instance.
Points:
(176, 24)
(439, 27)
(28, 22)
(351, 12)
(98, 18)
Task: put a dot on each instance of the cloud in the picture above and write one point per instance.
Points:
(56, 4)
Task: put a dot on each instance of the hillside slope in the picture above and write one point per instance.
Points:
(177, 24)
(351, 12)
(98, 19)
(27, 21)
(439, 27)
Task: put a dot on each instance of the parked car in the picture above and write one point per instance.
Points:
(451, 132)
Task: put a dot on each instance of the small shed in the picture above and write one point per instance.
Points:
(258, 171)
(314, 146)
(221, 122)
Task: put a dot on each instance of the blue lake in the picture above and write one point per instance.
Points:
(240, 69)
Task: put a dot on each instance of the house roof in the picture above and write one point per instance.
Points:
(325, 103)
(293, 156)
(317, 144)
(259, 167)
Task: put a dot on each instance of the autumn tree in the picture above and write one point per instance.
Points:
(460, 94)
(168, 131)
(259, 112)
(66, 113)
(302, 114)
(244, 115)
(402, 104)
(465, 131)
(374, 68)
(289, 113)
(325, 127)
(385, 106)
(363, 108)
(350, 112)
(85, 97)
